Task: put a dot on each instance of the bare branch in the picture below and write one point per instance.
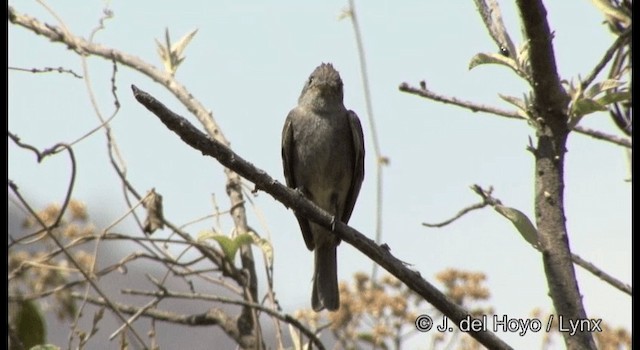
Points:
(380, 159)
(477, 107)
(474, 107)
(47, 70)
(462, 212)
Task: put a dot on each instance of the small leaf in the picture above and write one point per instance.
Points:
(521, 222)
(602, 86)
(612, 12)
(520, 104)
(228, 245)
(583, 107)
(514, 101)
(586, 106)
(491, 58)
(571, 89)
(178, 48)
(523, 54)
(30, 325)
(614, 97)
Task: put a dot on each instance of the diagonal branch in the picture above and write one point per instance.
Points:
(492, 18)
(460, 214)
(292, 199)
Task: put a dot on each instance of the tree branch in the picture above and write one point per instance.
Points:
(292, 199)
(477, 107)
(488, 199)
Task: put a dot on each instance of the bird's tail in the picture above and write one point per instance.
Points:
(325, 279)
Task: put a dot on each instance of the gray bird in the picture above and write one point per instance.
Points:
(323, 157)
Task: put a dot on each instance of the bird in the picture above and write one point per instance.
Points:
(323, 158)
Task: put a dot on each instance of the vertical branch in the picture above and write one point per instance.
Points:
(380, 160)
(549, 111)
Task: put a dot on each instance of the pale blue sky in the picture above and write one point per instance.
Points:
(248, 63)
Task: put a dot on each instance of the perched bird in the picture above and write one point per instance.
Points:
(323, 158)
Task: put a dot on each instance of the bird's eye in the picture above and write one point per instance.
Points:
(310, 81)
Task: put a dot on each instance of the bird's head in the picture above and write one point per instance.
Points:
(323, 89)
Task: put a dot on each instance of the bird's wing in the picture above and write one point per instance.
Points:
(358, 165)
(288, 145)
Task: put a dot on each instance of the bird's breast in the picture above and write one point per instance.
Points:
(324, 151)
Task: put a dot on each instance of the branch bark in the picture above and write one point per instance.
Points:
(550, 109)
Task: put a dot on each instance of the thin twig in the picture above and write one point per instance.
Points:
(380, 159)
(462, 212)
(47, 70)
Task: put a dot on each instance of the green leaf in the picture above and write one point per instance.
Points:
(614, 97)
(45, 347)
(228, 245)
(30, 325)
(602, 86)
(521, 222)
(586, 106)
